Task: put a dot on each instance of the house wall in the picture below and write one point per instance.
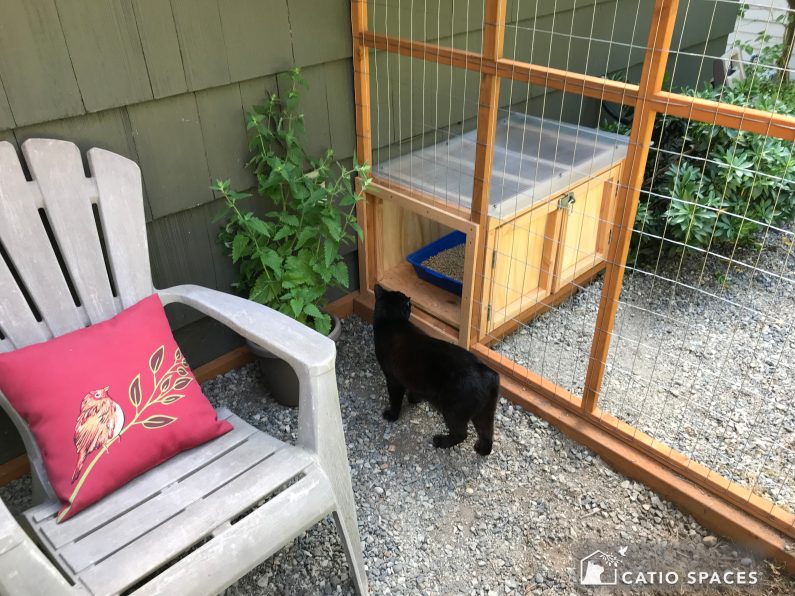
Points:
(762, 17)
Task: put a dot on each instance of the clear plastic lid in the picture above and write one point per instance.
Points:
(533, 159)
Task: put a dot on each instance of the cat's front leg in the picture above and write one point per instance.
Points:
(396, 391)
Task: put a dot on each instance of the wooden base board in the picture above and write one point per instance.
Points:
(14, 469)
(436, 301)
(365, 303)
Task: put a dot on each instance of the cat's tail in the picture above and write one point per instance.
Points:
(492, 386)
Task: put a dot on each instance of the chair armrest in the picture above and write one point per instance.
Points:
(23, 567)
(303, 348)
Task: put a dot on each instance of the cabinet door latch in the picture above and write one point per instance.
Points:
(567, 202)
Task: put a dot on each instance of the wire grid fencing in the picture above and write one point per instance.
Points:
(702, 352)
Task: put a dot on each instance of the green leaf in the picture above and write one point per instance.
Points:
(297, 304)
(312, 311)
(272, 260)
(260, 226)
(262, 291)
(283, 233)
(340, 273)
(305, 235)
(239, 245)
(330, 252)
(322, 324)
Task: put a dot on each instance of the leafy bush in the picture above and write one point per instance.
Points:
(288, 258)
(708, 185)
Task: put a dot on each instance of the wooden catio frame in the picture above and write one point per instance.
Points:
(728, 507)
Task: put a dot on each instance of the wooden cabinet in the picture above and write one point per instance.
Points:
(546, 247)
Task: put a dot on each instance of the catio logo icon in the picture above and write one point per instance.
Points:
(600, 568)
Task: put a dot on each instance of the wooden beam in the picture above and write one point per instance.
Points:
(760, 122)
(14, 469)
(657, 48)
(545, 76)
(231, 360)
(781, 126)
(430, 209)
(364, 142)
(709, 510)
(488, 109)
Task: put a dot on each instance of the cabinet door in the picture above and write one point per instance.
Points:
(521, 259)
(585, 228)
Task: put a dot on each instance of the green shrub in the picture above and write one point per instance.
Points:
(711, 186)
(288, 258)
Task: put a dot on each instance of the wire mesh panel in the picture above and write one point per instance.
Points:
(449, 23)
(423, 115)
(701, 354)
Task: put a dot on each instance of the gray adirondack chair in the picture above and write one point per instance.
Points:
(221, 507)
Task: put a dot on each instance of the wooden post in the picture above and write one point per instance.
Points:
(364, 142)
(488, 105)
(657, 48)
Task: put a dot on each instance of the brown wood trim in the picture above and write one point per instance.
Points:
(432, 210)
(551, 78)
(223, 364)
(14, 469)
(760, 122)
(708, 509)
(709, 480)
(341, 307)
(451, 208)
(488, 110)
(365, 303)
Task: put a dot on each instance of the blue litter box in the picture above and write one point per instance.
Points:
(434, 248)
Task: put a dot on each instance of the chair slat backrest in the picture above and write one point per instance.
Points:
(61, 196)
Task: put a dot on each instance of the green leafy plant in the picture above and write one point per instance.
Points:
(711, 186)
(290, 256)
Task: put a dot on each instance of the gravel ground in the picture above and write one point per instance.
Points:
(704, 364)
(451, 522)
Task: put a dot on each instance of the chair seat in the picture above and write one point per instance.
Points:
(124, 538)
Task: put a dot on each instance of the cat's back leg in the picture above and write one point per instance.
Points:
(483, 419)
(457, 420)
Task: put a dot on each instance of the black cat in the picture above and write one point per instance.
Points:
(451, 379)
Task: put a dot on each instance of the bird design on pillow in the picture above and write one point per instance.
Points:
(100, 420)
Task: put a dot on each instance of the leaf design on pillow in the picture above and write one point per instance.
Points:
(182, 382)
(170, 399)
(157, 421)
(135, 391)
(156, 359)
(162, 393)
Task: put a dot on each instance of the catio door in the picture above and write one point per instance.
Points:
(521, 252)
(585, 228)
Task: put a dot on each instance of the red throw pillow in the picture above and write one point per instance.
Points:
(108, 402)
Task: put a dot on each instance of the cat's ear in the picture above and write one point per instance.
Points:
(379, 291)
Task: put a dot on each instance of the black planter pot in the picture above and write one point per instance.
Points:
(279, 377)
